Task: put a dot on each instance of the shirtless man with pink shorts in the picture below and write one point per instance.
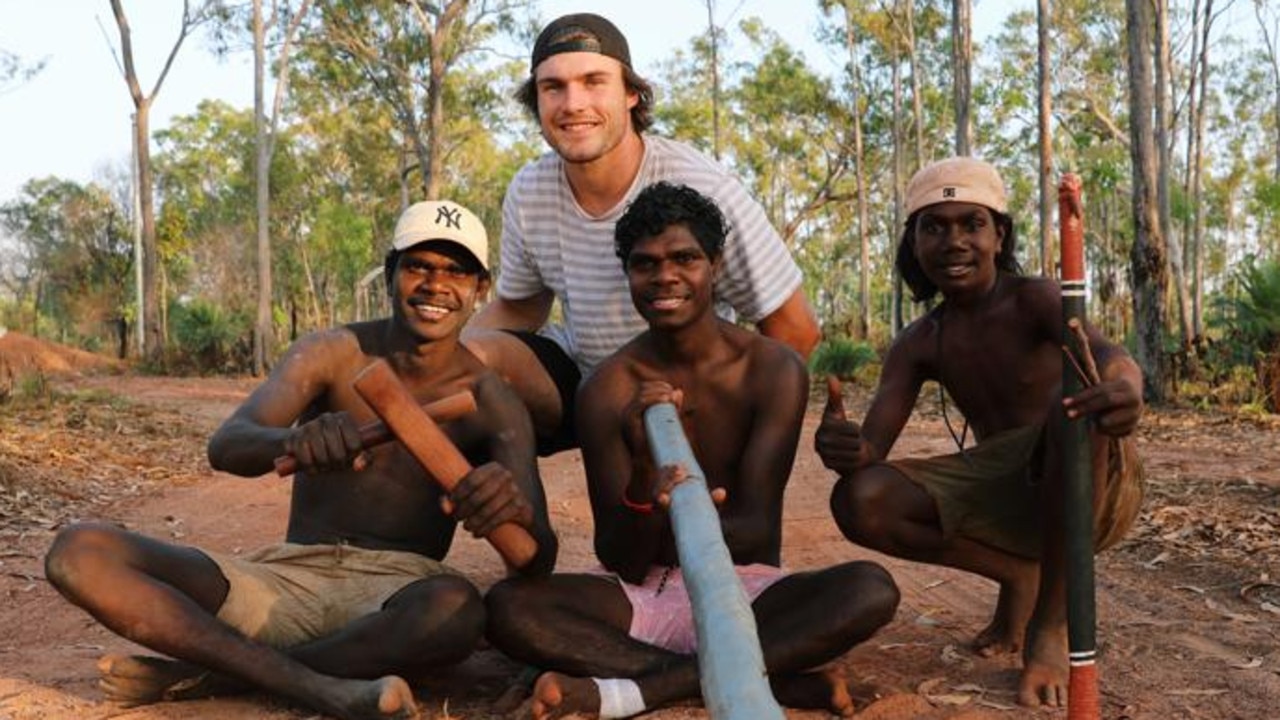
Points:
(618, 643)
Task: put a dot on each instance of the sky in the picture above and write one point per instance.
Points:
(72, 120)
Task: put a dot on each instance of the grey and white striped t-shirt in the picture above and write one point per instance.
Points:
(548, 241)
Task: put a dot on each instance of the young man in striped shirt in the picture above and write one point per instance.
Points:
(558, 222)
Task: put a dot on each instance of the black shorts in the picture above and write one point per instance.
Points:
(564, 372)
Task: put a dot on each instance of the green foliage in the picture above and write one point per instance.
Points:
(208, 337)
(1250, 324)
(34, 388)
(843, 358)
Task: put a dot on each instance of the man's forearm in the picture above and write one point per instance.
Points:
(248, 451)
(527, 314)
(793, 324)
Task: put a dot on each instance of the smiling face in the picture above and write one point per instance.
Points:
(434, 289)
(956, 245)
(671, 278)
(584, 106)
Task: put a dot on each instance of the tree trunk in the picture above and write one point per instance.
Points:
(151, 300)
(962, 62)
(1190, 181)
(152, 304)
(262, 330)
(1147, 257)
(1048, 193)
(917, 104)
(1197, 194)
(896, 318)
(1164, 146)
(864, 238)
(714, 35)
(1273, 56)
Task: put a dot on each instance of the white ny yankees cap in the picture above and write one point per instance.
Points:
(442, 220)
(957, 179)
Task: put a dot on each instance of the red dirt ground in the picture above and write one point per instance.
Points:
(1189, 605)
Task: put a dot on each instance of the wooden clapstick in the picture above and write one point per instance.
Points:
(731, 667)
(420, 435)
(375, 433)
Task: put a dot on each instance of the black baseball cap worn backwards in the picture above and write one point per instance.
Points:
(580, 32)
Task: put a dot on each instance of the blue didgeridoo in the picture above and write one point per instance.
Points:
(735, 684)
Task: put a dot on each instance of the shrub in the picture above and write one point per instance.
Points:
(207, 336)
(843, 358)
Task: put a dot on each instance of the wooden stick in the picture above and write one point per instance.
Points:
(389, 398)
(1086, 352)
(375, 433)
(735, 684)
(1077, 467)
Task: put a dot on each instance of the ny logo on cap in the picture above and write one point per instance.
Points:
(450, 217)
(948, 192)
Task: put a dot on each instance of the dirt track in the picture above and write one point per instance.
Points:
(1189, 617)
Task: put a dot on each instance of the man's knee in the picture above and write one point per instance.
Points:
(78, 550)
(859, 504)
(875, 590)
(508, 605)
(443, 612)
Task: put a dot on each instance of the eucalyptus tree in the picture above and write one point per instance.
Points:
(71, 260)
(285, 22)
(1083, 85)
(849, 33)
(152, 307)
(403, 53)
(1148, 252)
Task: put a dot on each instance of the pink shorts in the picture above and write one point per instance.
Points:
(661, 614)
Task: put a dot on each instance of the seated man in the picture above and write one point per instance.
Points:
(995, 345)
(357, 594)
(622, 642)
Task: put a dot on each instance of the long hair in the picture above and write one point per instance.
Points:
(922, 288)
(641, 114)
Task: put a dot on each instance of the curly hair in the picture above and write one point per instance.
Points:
(663, 204)
(641, 114)
(922, 288)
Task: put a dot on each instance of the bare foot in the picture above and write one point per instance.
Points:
(1045, 668)
(517, 693)
(818, 690)
(1007, 630)
(133, 680)
(556, 695)
(387, 698)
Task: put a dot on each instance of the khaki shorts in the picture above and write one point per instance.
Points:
(286, 594)
(990, 492)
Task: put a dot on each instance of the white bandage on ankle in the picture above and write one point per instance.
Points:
(619, 698)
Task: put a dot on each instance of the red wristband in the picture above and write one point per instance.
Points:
(642, 508)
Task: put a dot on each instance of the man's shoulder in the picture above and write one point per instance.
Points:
(620, 368)
(919, 337)
(761, 348)
(678, 160)
(339, 339)
(542, 169)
